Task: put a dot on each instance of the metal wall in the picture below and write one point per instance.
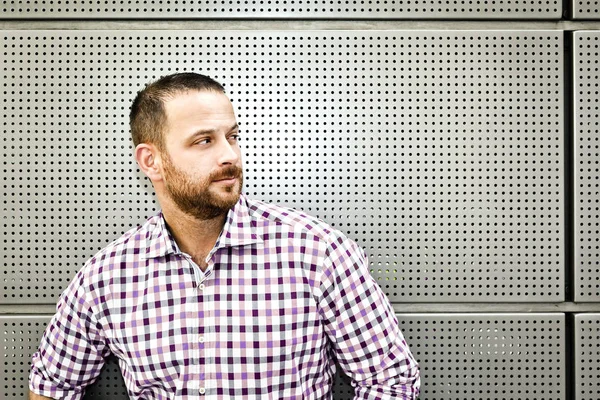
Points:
(462, 155)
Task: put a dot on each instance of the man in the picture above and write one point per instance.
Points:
(220, 296)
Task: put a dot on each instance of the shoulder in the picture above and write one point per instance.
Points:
(292, 220)
(281, 215)
(134, 241)
(124, 251)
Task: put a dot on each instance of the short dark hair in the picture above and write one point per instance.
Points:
(147, 117)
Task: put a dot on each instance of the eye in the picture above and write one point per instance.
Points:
(234, 138)
(202, 141)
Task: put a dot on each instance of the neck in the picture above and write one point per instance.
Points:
(193, 236)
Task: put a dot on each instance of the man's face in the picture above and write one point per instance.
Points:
(201, 161)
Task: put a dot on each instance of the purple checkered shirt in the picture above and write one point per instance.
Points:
(283, 297)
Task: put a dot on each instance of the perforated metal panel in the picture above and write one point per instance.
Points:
(587, 166)
(488, 356)
(20, 338)
(103, 9)
(587, 356)
(585, 9)
(440, 152)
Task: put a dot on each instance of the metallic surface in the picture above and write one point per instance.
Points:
(440, 152)
(585, 9)
(19, 338)
(586, 46)
(488, 356)
(562, 25)
(323, 9)
(587, 356)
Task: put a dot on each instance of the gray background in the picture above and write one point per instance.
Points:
(462, 155)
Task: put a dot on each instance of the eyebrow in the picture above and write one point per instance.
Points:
(211, 131)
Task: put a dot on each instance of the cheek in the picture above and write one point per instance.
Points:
(196, 164)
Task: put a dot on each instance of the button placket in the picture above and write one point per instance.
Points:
(204, 293)
(202, 334)
(200, 277)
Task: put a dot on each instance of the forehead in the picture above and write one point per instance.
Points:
(198, 108)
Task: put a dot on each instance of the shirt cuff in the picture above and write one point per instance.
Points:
(43, 386)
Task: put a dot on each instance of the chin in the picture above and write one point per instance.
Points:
(230, 194)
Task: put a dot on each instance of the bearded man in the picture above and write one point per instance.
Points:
(220, 296)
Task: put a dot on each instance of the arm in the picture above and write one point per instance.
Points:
(33, 396)
(363, 329)
(72, 349)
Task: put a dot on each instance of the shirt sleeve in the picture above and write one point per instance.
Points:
(72, 349)
(363, 328)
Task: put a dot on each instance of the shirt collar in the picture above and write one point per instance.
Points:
(240, 229)
(159, 241)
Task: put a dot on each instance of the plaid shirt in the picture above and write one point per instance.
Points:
(283, 297)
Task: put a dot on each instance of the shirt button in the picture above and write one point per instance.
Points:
(202, 390)
(201, 287)
(201, 339)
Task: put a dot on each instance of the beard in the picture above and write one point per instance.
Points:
(193, 195)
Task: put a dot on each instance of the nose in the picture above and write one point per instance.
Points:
(229, 153)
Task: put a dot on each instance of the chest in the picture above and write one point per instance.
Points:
(170, 327)
(243, 303)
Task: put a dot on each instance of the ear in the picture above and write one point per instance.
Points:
(148, 158)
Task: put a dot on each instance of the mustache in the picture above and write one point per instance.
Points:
(231, 171)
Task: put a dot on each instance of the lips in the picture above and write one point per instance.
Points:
(227, 180)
